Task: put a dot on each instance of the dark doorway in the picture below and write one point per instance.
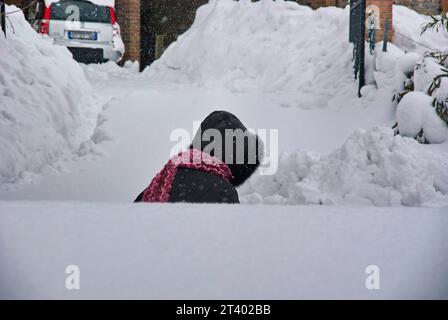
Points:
(162, 21)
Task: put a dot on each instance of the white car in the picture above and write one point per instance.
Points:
(89, 29)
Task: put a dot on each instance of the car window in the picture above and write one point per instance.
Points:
(88, 12)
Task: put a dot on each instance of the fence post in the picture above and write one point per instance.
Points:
(361, 49)
(386, 31)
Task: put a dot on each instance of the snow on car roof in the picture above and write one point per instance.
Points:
(109, 3)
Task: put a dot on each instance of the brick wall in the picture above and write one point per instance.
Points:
(444, 5)
(422, 6)
(14, 2)
(323, 3)
(385, 12)
(128, 16)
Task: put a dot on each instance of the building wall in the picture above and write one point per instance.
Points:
(385, 12)
(444, 5)
(14, 2)
(322, 3)
(422, 6)
(128, 17)
(162, 21)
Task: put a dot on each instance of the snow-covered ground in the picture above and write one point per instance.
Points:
(217, 252)
(276, 65)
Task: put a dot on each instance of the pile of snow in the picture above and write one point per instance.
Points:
(266, 45)
(408, 25)
(372, 168)
(276, 45)
(46, 105)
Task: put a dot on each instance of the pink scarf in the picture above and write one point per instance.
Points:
(160, 187)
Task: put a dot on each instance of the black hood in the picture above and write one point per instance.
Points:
(244, 148)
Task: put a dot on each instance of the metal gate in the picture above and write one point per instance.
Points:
(357, 37)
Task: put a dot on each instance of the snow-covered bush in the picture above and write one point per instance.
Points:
(417, 118)
(422, 102)
(404, 72)
(422, 94)
(46, 102)
(373, 167)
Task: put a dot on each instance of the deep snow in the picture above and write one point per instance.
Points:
(47, 106)
(258, 251)
(220, 252)
(371, 168)
(273, 75)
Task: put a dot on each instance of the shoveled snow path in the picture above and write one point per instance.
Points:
(140, 116)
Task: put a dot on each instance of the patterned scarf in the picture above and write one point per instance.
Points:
(160, 187)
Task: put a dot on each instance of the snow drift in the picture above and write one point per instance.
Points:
(408, 27)
(276, 45)
(46, 102)
(263, 45)
(372, 168)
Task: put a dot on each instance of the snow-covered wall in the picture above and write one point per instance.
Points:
(46, 105)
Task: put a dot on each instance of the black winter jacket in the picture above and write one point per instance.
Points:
(195, 186)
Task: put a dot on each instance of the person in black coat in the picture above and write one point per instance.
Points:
(223, 137)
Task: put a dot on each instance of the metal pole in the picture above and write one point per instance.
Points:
(362, 20)
(3, 16)
(386, 31)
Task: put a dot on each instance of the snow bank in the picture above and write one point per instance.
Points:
(267, 45)
(46, 105)
(276, 45)
(408, 25)
(372, 168)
